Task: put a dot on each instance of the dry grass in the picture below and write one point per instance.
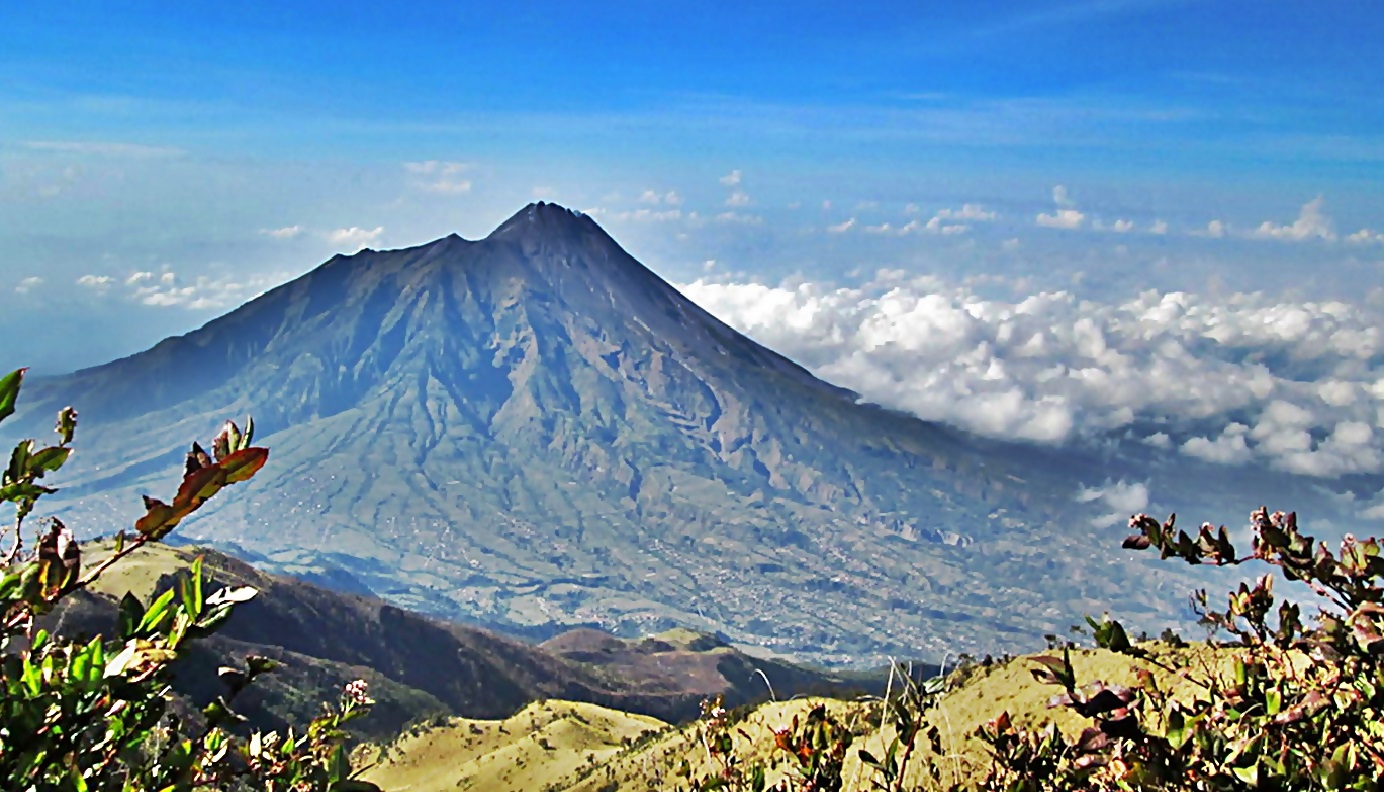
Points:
(443, 760)
(547, 745)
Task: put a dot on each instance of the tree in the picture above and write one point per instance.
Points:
(98, 715)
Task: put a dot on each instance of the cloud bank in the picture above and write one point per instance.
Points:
(1298, 386)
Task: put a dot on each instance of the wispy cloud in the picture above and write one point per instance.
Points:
(440, 176)
(287, 232)
(105, 149)
(353, 238)
(1122, 498)
(653, 197)
(1215, 229)
(1311, 223)
(970, 211)
(166, 289)
(1066, 216)
(740, 218)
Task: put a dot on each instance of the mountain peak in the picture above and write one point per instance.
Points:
(547, 219)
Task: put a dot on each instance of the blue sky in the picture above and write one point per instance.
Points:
(160, 163)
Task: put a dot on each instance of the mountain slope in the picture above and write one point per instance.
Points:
(534, 431)
(419, 666)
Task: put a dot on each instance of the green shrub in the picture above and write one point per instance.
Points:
(1283, 704)
(98, 715)
(1293, 706)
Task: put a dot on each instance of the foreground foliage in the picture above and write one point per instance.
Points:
(1274, 701)
(1301, 706)
(100, 714)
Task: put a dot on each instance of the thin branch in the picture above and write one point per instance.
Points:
(96, 571)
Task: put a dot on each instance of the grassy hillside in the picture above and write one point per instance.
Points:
(481, 755)
(420, 667)
(547, 745)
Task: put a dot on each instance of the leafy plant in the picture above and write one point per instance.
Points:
(97, 715)
(1293, 705)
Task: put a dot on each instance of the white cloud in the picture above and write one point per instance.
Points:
(1311, 223)
(354, 239)
(1159, 227)
(967, 212)
(1228, 448)
(203, 293)
(440, 176)
(738, 198)
(287, 232)
(937, 226)
(842, 227)
(105, 149)
(1122, 226)
(1298, 386)
(1158, 440)
(1366, 237)
(28, 284)
(740, 218)
(1066, 219)
(882, 228)
(1216, 229)
(731, 179)
(1123, 499)
(166, 289)
(642, 214)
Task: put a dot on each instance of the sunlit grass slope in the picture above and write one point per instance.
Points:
(460, 756)
(547, 745)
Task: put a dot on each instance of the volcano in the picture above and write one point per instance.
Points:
(534, 431)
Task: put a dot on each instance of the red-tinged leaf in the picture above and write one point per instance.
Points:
(197, 459)
(60, 556)
(228, 441)
(221, 444)
(1092, 740)
(1139, 542)
(243, 464)
(199, 485)
(157, 515)
(782, 740)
